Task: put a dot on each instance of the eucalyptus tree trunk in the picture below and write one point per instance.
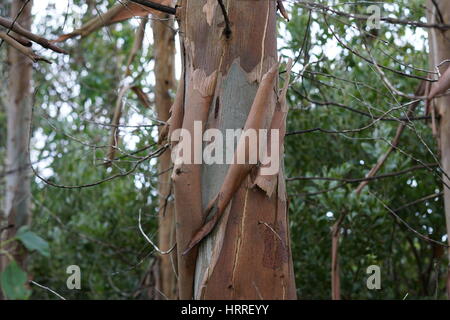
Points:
(439, 43)
(230, 81)
(164, 53)
(16, 207)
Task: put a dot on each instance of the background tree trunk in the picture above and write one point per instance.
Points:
(17, 197)
(439, 42)
(247, 256)
(164, 52)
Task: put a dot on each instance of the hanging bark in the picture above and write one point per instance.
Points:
(164, 53)
(122, 11)
(17, 204)
(229, 47)
(439, 43)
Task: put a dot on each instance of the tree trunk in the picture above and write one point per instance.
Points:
(17, 211)
(247, 255)
(164, 51)
(439, 43)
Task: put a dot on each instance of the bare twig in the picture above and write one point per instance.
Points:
(405, 224)
(420, 90)
(156, 6)
(48, 289)
(356, 180)
(150, 241)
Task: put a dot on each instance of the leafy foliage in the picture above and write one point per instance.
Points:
(32, 241)
(13, 280)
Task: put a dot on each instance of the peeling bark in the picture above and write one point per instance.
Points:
(246, 252)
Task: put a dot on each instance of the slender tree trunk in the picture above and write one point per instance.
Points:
(16, 208)
(164, 51)
(439, 43)
(247, 255)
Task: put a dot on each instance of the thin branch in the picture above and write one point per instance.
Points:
(420, 90)
(366, 114)
(118, 175)
(48, 289)
(156, 6)
(150, 241)
(357, 180)
(429, 197)
(356, 53)
(405, 224)
(390, 20)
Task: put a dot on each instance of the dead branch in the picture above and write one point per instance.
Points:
(119, 12)
(22, 49)
(14, 26)
(282, 9)
(156, 6)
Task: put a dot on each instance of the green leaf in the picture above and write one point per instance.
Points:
(32, 241)
(13, 280)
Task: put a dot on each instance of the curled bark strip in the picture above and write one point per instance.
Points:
(95, 23)
(176, 111)
(269, 182)
(120, 12)
(187, 177)
(282, 9)
(22, 49)
(442, 85)
(238, 172)
(17, 28)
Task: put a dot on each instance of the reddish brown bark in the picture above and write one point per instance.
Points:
(164, 52)
(247, 254)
